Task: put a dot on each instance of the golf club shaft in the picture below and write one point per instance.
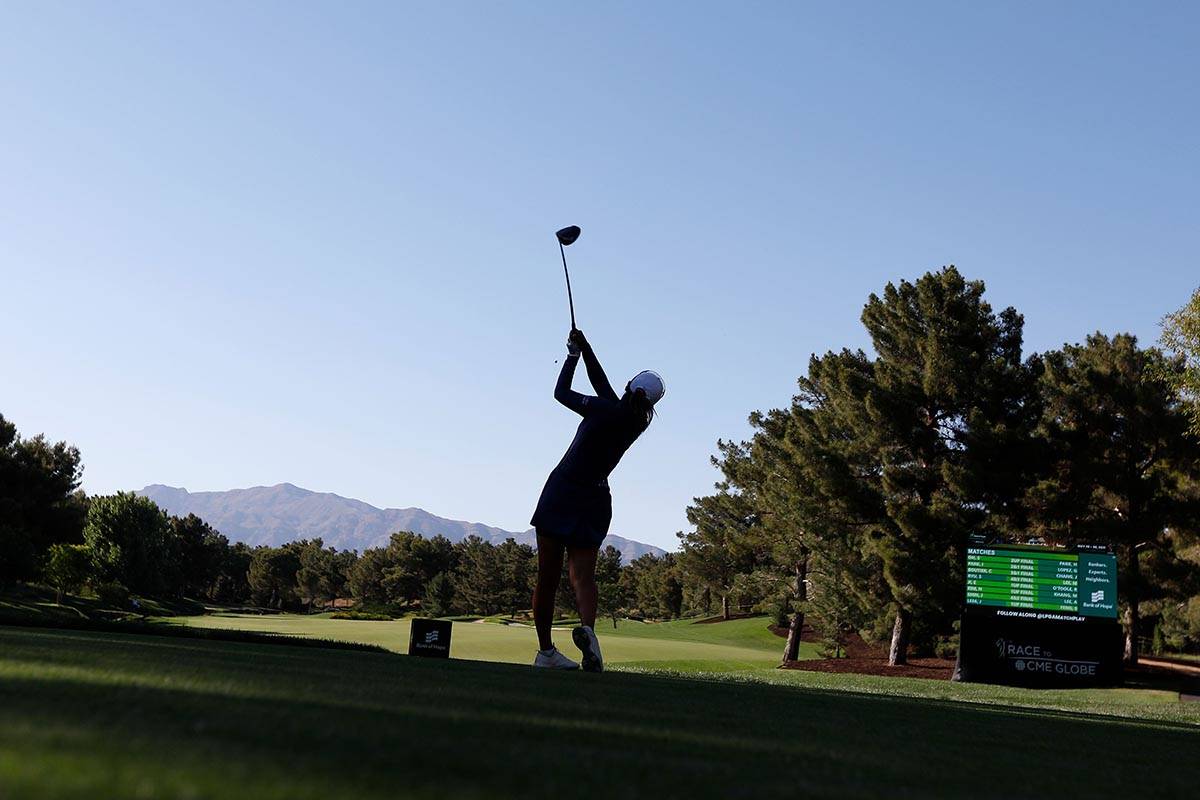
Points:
(570, 299)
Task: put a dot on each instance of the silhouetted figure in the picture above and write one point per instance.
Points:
(575, 508)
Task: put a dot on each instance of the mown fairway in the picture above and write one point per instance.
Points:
(87, 715)
(743, 644)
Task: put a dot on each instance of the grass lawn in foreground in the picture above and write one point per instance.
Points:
(743, 644)
(88, 715)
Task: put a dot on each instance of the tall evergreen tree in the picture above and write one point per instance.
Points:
(1181, 338)
(438, 600)
(272, 575)
(323, 572)
(610, 595)
(809, 476)
(479, 580)
(518, 569)
(39, 501)
(770, 482)
(907, 452)
(652, 586)
(1121, 465)
(201, 551)
(720, 545)
(367, 575)
(948, 391)
(231, 584)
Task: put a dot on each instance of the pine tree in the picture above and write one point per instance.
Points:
(1181, 338)
(903, 454)
(720, 545)
(610, 596)
(1120, 461)
(438, 600)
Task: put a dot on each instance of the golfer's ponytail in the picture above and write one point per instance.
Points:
(641, 408)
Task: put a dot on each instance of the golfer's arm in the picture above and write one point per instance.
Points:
(562, 390)
(596, 375)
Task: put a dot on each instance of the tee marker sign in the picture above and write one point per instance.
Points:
(430, 638)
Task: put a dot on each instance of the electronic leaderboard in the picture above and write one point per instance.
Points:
(1079, 582)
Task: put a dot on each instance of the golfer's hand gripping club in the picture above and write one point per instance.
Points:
(575, 342)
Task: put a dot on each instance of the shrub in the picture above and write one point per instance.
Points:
(780, 612)
(1179, 630)
(360, 615)
(1158, 645)
(946, 647)
(114, 594)
(67, 568)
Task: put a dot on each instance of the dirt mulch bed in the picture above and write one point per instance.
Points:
(938, 669)
(1168, 663)
(1155, 673)
(865, 659)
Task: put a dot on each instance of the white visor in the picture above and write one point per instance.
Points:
(651, 383)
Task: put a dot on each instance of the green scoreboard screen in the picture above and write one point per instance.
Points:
(1053, 583)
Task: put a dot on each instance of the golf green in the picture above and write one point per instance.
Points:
(743, 644)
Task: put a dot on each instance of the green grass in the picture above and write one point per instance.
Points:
(33, 602)
(32, 606)
(87, 715)
(738, 645)
(1148, 701)
(742, 648)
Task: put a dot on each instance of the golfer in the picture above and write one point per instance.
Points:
(575, 508)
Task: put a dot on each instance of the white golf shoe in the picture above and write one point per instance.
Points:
(589, 645)
(552, 659)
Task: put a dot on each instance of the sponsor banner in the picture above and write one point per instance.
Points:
(430, 638)
(1033, 652)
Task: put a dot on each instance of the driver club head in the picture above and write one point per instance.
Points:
(568, 235)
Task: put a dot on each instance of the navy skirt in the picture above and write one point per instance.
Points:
(575, 514)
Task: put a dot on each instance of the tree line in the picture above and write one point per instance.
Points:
(847, 510)
(123, 545)
(851, 507)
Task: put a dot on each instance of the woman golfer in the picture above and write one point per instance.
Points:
(575, 508)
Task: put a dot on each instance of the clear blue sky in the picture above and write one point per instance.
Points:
(243, 244)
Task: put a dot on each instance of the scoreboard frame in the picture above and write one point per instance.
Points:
(1027, 633)
(1069, 584)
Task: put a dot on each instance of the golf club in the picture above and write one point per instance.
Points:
(565, 237)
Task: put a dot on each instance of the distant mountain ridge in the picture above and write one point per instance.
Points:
(272, 515)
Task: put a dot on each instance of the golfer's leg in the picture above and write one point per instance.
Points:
(550, 559)
(582, 563)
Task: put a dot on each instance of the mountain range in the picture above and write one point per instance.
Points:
(272, 515)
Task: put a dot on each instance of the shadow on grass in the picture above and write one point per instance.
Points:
(326, 724)
(1068, 704)
(142, 627)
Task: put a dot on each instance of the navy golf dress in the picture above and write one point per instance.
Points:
(576, 506)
